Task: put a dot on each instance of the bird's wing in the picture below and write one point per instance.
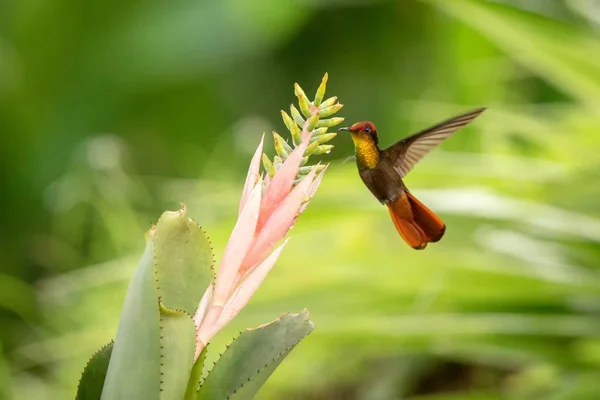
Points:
(409, 151)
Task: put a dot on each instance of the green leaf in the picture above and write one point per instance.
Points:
(196, 376)
(92, 378)
(138, 338)
(177, 347)
(249, 390)
(253, 356)
(154, 348)
(183, 259)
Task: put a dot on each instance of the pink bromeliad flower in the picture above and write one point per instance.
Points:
(249, 256)
(269, 207)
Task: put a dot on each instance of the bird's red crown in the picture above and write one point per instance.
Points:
(366, 127)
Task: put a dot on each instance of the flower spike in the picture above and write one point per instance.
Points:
(269, 207)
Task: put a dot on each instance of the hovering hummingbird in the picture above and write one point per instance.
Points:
(382, 172)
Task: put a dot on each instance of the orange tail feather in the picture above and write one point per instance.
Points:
(431, 224)
(415, 223)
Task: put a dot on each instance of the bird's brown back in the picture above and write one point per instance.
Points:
(383, 181)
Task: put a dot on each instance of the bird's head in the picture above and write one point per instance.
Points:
(363, 130)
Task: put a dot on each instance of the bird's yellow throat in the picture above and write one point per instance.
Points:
(367, 153)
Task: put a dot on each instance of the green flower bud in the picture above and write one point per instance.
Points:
(296, 135)
(287, 120)
(312, 122)
(328, 103)
(321, 90)
(330, 122)
(268, 165)
(311, 148)
(304, 170)
(281, 147)
(323, 149)
(324, 138)
(277, 162)
(319, 132)
(307, 169)
(302, 100)
(296, 115)
(326, 112)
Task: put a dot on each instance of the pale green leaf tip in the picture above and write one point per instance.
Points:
(171, 215)
(304, 315)
(167, 215)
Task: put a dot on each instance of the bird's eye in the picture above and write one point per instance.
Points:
(367, 130)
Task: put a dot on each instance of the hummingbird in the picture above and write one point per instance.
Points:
(382, 172)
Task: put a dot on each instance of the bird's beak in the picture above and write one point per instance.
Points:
(344, 129)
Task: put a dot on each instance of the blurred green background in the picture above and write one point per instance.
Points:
(113, 111)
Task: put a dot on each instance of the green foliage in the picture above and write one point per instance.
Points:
(138, 333)
(253, 356)
(154, 346)
(177, 347)
(195, 376)
(182, 252)
(559, 52)
(92, 378)
(153, 353)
